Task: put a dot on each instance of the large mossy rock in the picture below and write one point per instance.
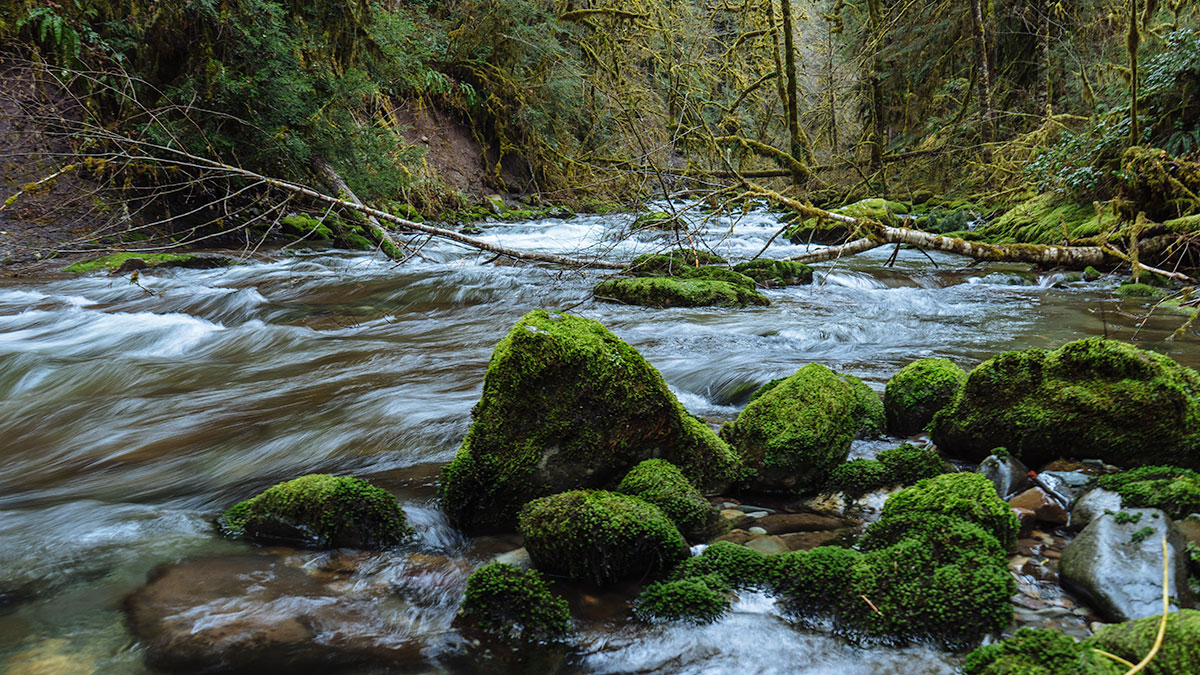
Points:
(663, 292)
(508, 603)
(1133, 640)
(600, 536)
(662, 484)
(1091, 398)
(795, 433)
(917, 391)
(967, 496)
(320, 511)
(566, 404)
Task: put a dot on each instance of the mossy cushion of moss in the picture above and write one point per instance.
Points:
(701, 599)
(736, 565)
(113, 262)
(566, 404)
(1136, 290)
(792, 436)
(909, 464)
(769, 272)
(1036, 651)
(510, 603)
(320, 511)
(904, 465)
(869, 408)
(1132, 640)
(655, 220)
(969, 496)
(671, 262)
(664, 292)
(858, 477)
(662, 484)
(1172, 489)
(949, 539)
(1092, 398)
(919, 390)
(600, 536)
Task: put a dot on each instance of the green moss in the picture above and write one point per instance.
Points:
(1032, 651)
(1132, 640)
(858, 477)
(1091, 274)
(701, 599)
(566, 404)
(868, 408)
(1046, 219)
(355, 241)
(662, 292)
(655, 220)
(776, 272)
(737, 566)
(947, 538)
(795, 434)
(1091, 398)
(670, 262)
(908, 464)
(110, 263)
(918, 391)
(662, 484)
(968, 496)
(758, 393)
(600, 536)
(1139, 291)
(1171, 489)
(813, 582)
(320, 511)
(510, 603)
(828, 231)
(304, 225)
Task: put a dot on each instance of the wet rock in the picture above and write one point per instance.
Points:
(735, 537)
(737, 519)
(784, 523)
(806, 541)
(1117, 562)
(1190, 528)
(1027, 520)
(1007, 473)
(1092, 505)
(767, 544)
(254, 614)
(756, 530)
(1044, 507)
(1056, 486)
(518, 558)
(748, 508)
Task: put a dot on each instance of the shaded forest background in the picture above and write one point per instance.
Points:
(423, 107)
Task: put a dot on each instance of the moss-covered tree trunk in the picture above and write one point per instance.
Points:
(1132, 40)
(793, 105)
(875, 26)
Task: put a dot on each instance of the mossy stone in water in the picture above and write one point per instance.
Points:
(917, 391)
(1032, 651)
(1091, 398)
(701, 599)
(566, 404)
(663, 292)
(776, 272)
(1132, 640)
(655, 220)
(858, 477)
(908, 464)
(662, 484)
(1139, 291)
(736, 565)
(506, 602)
(968, 496)
(1172, 489)
(904, 465)
(320, 511)
(792, 436)
(600, 536)
(869, 406)
(670, 262)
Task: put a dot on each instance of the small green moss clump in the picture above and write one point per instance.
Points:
(919, 390)
(1090, 398)
(792, 436)
(663, 292)
(1032, 651)
(662, 484)
(758, 393)
(1091, 274)
(320, 511)
(869, 408)
(600, 536)
(566, 404)
(305, 226)
(1132, 640)
(904, 465)
(510, 603)
(908, 463)
(700, 599)
(113, 262)
(858, 477)
(671, 262)
(969, 496)
(737, 566)
(655, 220)
(948, 539)
(769, 272)
(1139, 291)
(1172, 489)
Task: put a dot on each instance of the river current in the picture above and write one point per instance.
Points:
(132, 414)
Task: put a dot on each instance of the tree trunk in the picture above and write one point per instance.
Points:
(1132, 40)
(1046, 91)
(798, 147)
(875, 25)
(984, 77)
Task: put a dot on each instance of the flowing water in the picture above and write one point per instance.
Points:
(130, 416)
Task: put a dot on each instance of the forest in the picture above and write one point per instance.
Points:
(587, 337)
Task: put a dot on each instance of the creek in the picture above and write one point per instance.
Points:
(131, 416)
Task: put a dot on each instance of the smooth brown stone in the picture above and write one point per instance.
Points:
(784, 523)
(1046, 508)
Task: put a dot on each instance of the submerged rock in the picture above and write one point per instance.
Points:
(793, 435)
(1089, 398)
(1117, 562)
(917, 391)
(600, 536)
(320, 511)
(566, 404)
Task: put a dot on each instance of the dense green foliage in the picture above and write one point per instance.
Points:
(513, 604)
(320, 511)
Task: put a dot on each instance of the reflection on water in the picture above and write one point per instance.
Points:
(130, 416)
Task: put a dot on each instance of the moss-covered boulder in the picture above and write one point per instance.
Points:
(320, 511)
(1132, 640)
(566, 404)
(766, 272)
(868, 408)
(792, 436)
(1136, 290)
(701, 599)
(662, 484)
(600, 536)
(1035, 651)
(506, 602)
(1091, 398)
(904, 465)
(858, 477)
(671, 262)
(967, 496)
(655, 220)
(735, 565)
(1171, 489)
(663, 292)
(917, 391)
